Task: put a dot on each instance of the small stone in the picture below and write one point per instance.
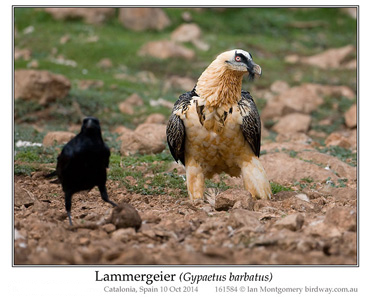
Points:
(293, 222)
(90, 84)
(279, 86)
(134, 100)
(234, 198)
(90, 15)
(186, 33)
(109, 228)
(126, 108)
(156, 118)
(303, 197)
(122, 130)
(351, 117)
(245, 218)
(164, 49)
(24, 54)
(336, 139)
(105, 63)
(123, 234)
(84, 241)
(64, 39)
(224, 202)
(143, 18)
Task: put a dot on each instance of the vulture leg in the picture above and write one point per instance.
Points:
(255, 179)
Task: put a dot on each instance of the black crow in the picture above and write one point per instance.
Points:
(83, 163)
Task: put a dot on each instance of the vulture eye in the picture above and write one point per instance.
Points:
(238, 59)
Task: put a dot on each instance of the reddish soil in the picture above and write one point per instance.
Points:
(174, 231)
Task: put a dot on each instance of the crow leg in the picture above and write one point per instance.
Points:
(103, 193)
(68, 204)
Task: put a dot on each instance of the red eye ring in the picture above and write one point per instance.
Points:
(238, 59)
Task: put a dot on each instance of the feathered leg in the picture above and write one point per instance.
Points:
(195, 179)
(255, 179)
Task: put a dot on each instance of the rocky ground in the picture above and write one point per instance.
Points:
(313, 223)
(65, 70)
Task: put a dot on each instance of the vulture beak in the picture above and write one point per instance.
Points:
(255, 69)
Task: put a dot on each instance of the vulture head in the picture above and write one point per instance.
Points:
(241, 61)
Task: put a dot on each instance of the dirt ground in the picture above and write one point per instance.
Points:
(309, 227)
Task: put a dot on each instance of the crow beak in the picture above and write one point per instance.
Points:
(89, 124)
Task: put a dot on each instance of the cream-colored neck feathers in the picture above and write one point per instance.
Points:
(219, 85)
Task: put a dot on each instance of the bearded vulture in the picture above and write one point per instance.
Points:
(216, 127)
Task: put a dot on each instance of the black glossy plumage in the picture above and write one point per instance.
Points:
(83, 163)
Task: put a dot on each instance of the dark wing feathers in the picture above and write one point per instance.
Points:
(175, 130)
(251, 126)
(176, 133)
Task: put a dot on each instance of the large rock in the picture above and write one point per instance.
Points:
(236, 198)
(303, 99)
(164, 49)
(135, 100)
(344, 218)
(146, 139)
(127, 106)
(340, 168)
(57, 137)
(190, 33)
(331, 58)
(40, 85)
(179, 82)
(24, 54)
(91, 15)
(350, 11)
(293, 222)
(294, 169)
(336, 139)
(186, 33)
(144, 18)
(294, 122)
(351, 116)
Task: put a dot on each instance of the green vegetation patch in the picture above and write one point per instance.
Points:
(345, 155)
(276, 188)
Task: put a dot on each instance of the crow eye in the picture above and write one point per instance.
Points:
(238, 59)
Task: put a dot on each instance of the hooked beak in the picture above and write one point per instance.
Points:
(256, 69)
